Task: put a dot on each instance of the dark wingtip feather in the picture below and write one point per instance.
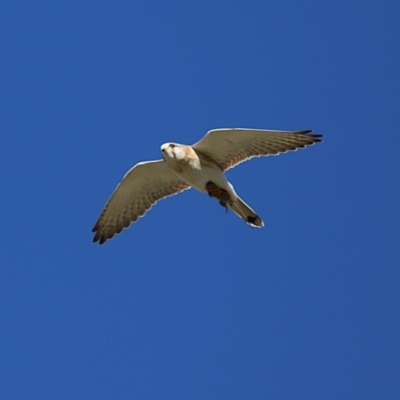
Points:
(99, 238)
(308, 133)
(317, 138)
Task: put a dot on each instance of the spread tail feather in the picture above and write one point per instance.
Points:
(242, 210)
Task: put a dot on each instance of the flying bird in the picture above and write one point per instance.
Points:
(200, 166)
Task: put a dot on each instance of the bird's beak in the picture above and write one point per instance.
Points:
(163, 152)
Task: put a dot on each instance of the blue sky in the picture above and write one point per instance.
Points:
(190, 303)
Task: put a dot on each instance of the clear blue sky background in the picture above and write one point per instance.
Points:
(190, 303)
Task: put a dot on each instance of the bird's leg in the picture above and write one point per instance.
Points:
(212, 189)
(223, 204)
(224, 200)
(222, 195)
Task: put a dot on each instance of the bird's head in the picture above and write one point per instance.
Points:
(172, 151)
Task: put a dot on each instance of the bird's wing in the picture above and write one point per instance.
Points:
(142, 186)
(229, 147)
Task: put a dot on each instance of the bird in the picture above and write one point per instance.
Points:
(200, 166)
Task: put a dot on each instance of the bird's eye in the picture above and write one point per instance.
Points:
(172, 145)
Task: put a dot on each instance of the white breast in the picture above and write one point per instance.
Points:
(198, 178)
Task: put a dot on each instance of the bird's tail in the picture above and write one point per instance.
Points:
(242, 210)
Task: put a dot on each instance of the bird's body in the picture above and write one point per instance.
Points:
(192, 167)
(205, 175)
(200, 166)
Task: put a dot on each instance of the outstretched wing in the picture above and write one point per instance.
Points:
(142, 186)
(229, 147)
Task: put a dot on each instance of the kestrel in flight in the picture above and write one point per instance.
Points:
(200, 166)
